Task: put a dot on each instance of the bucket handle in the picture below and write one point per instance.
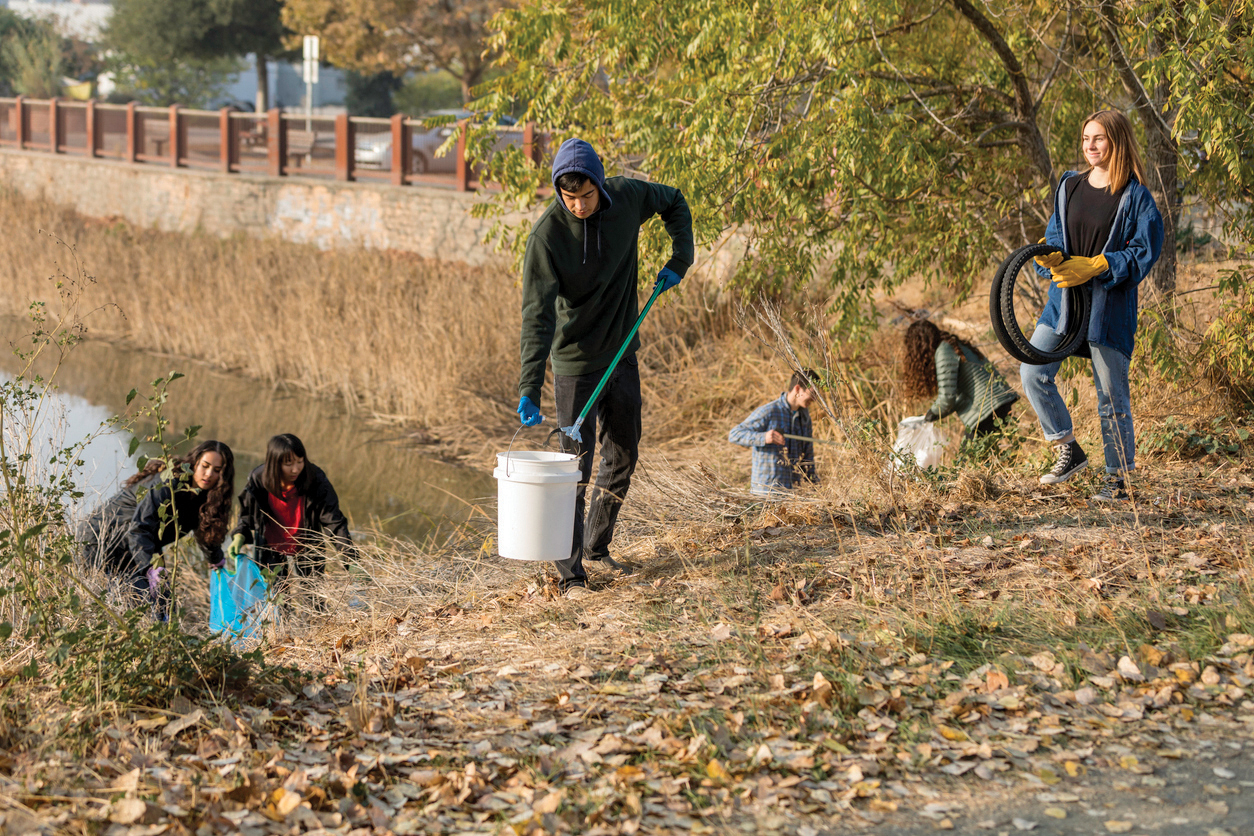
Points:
(509, 451)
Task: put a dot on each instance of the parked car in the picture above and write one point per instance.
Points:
(374, 150)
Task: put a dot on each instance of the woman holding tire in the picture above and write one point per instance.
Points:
(1109, 231)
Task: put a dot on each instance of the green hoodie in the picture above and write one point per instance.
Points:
(580, 276)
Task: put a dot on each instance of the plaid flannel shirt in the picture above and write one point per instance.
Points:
(777, 467)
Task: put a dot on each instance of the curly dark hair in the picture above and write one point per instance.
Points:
(216, 512)
(918, 356)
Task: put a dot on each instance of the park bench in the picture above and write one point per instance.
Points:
(300, 145)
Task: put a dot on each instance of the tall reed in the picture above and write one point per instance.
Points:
(428, 342)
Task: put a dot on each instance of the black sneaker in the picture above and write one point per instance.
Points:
(1113, 490)
(1071, 460)
(575, 590)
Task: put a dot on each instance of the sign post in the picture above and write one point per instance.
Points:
(309, 70)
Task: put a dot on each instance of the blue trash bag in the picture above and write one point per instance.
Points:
(236, 598)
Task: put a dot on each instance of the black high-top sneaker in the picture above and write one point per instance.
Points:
(1071, 460)
(1113, 490)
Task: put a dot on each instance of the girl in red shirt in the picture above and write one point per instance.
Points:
(288, 510)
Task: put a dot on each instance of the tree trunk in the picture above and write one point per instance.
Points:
(263, 84)
(1029, 132)
(1162, 159)
(1161, 155)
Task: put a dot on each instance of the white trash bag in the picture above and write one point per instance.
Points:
(920, 441)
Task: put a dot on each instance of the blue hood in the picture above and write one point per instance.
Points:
(575, 155)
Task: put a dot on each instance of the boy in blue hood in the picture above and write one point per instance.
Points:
(580, 274)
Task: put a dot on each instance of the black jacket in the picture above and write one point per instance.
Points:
(150, 532)
(320, 515)
(104, 534)
(124, 533)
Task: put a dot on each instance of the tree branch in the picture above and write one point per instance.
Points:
(1127, 73)
(1030, 138)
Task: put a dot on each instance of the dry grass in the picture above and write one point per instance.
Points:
(745, 611)
(423, 342)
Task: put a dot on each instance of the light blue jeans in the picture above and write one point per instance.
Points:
(1114, 402)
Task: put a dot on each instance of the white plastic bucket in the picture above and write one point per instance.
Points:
(535, 504)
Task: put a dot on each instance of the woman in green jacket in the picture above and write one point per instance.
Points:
(938, 364)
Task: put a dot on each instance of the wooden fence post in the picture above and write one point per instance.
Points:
(276, 150)
(345, 146)
(529, 141)
(174, 136)
(225, 136)
(54, 127)
(132, 133)
(91, 128)
(19, 110)
(463, 170)
(400, 150)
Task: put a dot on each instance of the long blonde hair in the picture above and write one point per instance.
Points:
(1124, 160)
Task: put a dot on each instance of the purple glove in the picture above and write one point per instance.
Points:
(221, 562)
(156, 577)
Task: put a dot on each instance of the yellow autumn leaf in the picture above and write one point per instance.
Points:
(1055, 812)
(1074, 769)
(956, 735)
(1129, 762)
(1049, 776)
(717, 772)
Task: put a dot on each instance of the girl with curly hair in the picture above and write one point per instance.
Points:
(125, 535)
(938, 364)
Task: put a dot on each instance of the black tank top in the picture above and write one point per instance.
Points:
(1090, 216)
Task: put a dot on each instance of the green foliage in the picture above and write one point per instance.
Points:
(171, 31)
(372, 94)
(859, 144)
(1226, 351)
(424, 92)
(95, 652)
(1002, 445)
(32, 59)
(1204, 59)
(151, 665)
(191, 82)
(1175, 438)
(857, 148)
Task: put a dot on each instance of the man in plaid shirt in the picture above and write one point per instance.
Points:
(779, 463)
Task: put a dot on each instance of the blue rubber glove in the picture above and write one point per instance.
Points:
(669, 278)
(528, 412)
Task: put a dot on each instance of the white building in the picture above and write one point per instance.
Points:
(82, 19)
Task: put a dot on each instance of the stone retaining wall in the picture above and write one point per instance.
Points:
(431, 222)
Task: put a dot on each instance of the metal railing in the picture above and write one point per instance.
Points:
(399, 151)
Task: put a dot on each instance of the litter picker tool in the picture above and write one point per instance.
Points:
(812, 440)
(573, 430)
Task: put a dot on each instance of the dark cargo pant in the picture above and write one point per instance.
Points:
(617, 411)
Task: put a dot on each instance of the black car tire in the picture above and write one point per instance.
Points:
(418, 163)
(1006, 326)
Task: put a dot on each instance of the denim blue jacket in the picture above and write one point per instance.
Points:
(1136, 239)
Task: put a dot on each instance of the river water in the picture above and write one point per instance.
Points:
(381, 482)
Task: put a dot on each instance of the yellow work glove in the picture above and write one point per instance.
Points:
(1050, 260)
(1077, 270)
(237, 545)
